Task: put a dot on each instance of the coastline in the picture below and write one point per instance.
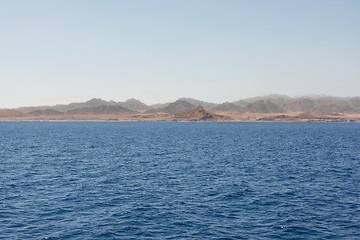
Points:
(222, 117)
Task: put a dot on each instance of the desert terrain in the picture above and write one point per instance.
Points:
(271, 108)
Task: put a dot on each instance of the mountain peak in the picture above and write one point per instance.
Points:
(96, 100)
(197, 113)
(135, 105)
(196, 102)
(133, 100)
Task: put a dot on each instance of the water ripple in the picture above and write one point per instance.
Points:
(179, 181)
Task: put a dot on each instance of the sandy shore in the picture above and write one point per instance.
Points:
(227, 117)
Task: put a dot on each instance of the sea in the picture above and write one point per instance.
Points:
(179, 180)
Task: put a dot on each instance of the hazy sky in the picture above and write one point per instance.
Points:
(157, 51)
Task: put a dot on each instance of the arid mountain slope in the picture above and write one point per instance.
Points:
(10, 113)
(263, 106)
(47, 112)
(227, 107)
(197, 113)
(135, 105)
(100, 110)
(206, 105)
(266, 104)
(176, 107)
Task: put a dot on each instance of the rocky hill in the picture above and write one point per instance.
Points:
(274, 98)
(197, 113)
(67, 107)
(323, 105)
(132, 104)
(263, 106)
(135, 105)
(176, 107)
(10, 113)
(100, 110)
(47, 112)
(159, 105)
(314, 104)
(227, 107)
(311, 105)
(206, 105)
(240, 103)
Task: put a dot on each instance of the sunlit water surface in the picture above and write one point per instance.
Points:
(179, 180)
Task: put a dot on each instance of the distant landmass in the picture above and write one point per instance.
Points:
(268, 108)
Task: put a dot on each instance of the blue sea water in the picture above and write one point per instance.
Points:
(179, 180)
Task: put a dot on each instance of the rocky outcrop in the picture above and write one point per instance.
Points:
(197, 114)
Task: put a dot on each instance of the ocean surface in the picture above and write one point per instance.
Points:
(160, 180)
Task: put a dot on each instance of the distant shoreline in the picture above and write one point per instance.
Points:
(271, 108)
(219, 117)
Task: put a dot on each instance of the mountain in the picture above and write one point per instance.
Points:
(196, 113)
(240, 103)
(263, 106)
(176, 107)
(66, 107)
(355, 103)
(100, 110)
(95, 102)
(135, 105)
(275, 103)
(323, 105)
(31, 109)
(313, 104)
(195, 102)
(132, 104)
(304, 105)
(159, 105)
(47, 112)
(274, 98)
(227, 107)
(10, 113)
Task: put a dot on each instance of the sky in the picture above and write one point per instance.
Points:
(158, 51)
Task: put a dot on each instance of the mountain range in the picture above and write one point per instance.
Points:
(265, 104)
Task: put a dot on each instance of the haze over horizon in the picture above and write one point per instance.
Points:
(159, 51)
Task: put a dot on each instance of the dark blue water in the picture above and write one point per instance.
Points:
(179, 180)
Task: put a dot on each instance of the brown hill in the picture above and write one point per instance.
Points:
(197, 114)
(227, 107)
(240, 103)
(300, 105)
(175, 107)
(355, 103)
(323, 105)
(263, 106)
(159, 105)
(101, 110)
(10, 113)
(135, 105)
(277, 99)
(206, 105)
(66, 107)
(318, 104)
(47, 112)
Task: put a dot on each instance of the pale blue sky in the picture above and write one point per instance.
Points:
(158, 51)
